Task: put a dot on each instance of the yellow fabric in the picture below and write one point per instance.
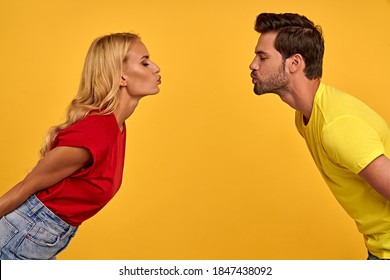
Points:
(344, 135)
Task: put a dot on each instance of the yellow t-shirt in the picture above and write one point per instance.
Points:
(344, 135)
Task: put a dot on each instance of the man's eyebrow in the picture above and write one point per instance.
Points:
(261, 52)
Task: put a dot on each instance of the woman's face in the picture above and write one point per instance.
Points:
(140, 75)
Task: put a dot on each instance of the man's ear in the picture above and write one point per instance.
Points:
(295, 63)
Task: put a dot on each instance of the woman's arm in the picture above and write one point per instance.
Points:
(58, 164)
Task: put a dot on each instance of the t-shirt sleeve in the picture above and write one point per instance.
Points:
(351, 142)
(84, 134)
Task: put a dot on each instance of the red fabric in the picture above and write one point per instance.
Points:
(81, 195)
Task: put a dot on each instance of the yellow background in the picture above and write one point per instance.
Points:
(212, 171)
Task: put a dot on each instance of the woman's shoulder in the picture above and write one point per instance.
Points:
(94, 120)
(93, 125)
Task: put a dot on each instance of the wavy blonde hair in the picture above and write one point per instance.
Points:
(99, 83)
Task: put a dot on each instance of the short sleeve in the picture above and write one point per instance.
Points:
(88, 134)
(351, 142)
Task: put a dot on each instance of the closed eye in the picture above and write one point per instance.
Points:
(262, 55)
(145, 60)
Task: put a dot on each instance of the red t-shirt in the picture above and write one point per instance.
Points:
(81, 195)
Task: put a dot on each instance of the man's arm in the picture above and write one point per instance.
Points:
(58, 164)
(377, 174)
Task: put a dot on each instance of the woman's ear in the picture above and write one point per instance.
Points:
(123, 81)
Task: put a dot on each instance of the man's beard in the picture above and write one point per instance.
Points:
(276, 83)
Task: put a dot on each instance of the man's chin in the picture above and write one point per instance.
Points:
(259, 92)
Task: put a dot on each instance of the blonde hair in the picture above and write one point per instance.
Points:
(99, 83)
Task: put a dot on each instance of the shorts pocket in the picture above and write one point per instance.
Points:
(43, 238)
(40, 244)
(7, 232)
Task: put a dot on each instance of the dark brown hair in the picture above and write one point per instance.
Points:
(296, 34)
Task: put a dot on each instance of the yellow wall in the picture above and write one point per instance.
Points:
(212, 171)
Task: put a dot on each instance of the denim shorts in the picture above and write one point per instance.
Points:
(33, 232)
(371, 257)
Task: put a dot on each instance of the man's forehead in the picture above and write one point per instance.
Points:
(266, 42)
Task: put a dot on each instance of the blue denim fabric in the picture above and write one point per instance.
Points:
(33, 232)
(371, 257)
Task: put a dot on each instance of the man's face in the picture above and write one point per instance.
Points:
(268, 67)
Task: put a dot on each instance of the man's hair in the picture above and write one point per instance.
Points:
(295, 35)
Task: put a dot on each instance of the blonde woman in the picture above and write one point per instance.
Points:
(81, 163)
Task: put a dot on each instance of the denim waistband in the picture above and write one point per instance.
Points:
(35, 207)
